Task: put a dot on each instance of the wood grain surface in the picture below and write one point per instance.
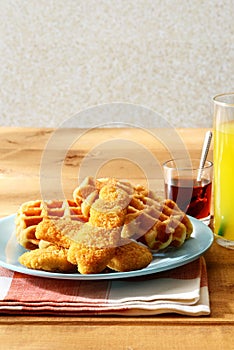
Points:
(25, 157)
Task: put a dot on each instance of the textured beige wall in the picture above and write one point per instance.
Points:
(61, 56)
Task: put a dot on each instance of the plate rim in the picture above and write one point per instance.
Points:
(112, 275)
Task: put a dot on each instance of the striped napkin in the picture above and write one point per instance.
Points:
(183, 290)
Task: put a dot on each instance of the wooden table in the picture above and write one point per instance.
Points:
(75, 153)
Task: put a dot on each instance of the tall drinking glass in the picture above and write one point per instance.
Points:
(224, 169)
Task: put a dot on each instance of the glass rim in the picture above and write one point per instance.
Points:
(208, 164)
(222, 103)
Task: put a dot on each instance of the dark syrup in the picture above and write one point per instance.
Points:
(193, 197)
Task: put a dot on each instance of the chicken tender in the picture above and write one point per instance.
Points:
(93, 247)
(52, 259)
(106, 214)
(89, 259)
(129, 257)
(59, 232)
(115, 194)
(97, 237)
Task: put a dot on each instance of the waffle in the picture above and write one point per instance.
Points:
(157, 223)
(31, 213)
(97, 228)
(142, 215)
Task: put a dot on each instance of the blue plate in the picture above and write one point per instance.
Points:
(200, 241)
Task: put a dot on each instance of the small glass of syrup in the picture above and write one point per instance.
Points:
(190, 186)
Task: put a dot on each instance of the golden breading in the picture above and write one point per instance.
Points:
(106, 214)
(129, 257)
(89, 259)
(108, 189)
(112, 182)
(52, 258)
(59, 232)
(93, 247)
(115, 194)
(97, 237)
(110, 208)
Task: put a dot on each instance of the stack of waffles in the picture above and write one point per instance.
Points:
(145, 217)
(31, 213)
(108, 223)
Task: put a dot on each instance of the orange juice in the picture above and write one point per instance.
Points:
(224, 181)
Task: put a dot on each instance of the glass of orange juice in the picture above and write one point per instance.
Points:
(224, 169)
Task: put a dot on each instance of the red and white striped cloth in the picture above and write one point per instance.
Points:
(183, 290)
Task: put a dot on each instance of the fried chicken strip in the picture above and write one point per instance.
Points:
(89, 259)
(58, 231)
(106, 214)
(129, 257)
(93, 247)
(52, 258)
